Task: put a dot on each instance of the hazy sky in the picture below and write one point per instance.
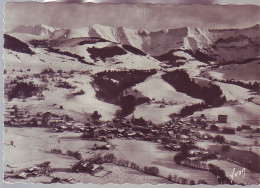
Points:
(146, 16)
(222, 2)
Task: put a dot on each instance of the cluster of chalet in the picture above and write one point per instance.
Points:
(37, 170)
(87, 167)
(219, 125)
(15, 117)
(171, 135)
(222, 125)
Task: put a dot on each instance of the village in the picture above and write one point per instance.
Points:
(199, 142)
(179, 135)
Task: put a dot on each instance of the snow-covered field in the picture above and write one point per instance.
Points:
(145, 153)
(33, 146)
(156, 88)
(247, 72)
(247, 178)
(32, 149)
(237, 114)
(234, 92)
(159, 115)
(88, 103)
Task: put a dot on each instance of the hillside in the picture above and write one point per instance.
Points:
(93, 50)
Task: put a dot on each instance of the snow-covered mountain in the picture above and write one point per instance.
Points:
(222, 45)
(95, 49)
(38, 30)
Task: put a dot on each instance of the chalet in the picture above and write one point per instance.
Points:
(44, 167)
(139, 133)
(142, 129)
(110, 136)
(96, 168)
(101, 138)
(195, 153)
(15, 124)
(121, 130)
(79, 129)
(88, 135)
(162, 106)
(82, 166)
(205, 137)
(184, 138)
(170, 146)
(207, 156)
(112, 130)
(193, 138)
(154, 131)
(78, 124)
(222, 118)
(214, 127)
(255, 122)
(170, 133)
(228, 130)
(246, 127)
(61, 126)
(69, 126)
(104, 147)
(56, 151)
(184, 131)
(176, 148)
(54, 121)
(131, 134)
(58, 130)
(23, 123)
(102, 132)
(149, 137)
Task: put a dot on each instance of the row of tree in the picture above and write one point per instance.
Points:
(211, 94)
(251, 85)
(69, 54)
(190, 109)
(195, 164)
(110, 158)
(105, 52)
(23, 89)
(111, 85)
(181, 158)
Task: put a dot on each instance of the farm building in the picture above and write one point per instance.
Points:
(229, 130)
(222, 118)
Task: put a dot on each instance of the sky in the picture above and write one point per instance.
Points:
(137, 16)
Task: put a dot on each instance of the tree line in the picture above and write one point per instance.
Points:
(251, 85)
(211, 94)
(23, 89)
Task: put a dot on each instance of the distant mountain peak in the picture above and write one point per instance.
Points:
(159, 42)
(38, 30)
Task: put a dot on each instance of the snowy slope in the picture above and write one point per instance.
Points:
(237, 114)
(157, 88)
(70, 48)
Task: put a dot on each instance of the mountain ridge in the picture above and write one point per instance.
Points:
(156, 43)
